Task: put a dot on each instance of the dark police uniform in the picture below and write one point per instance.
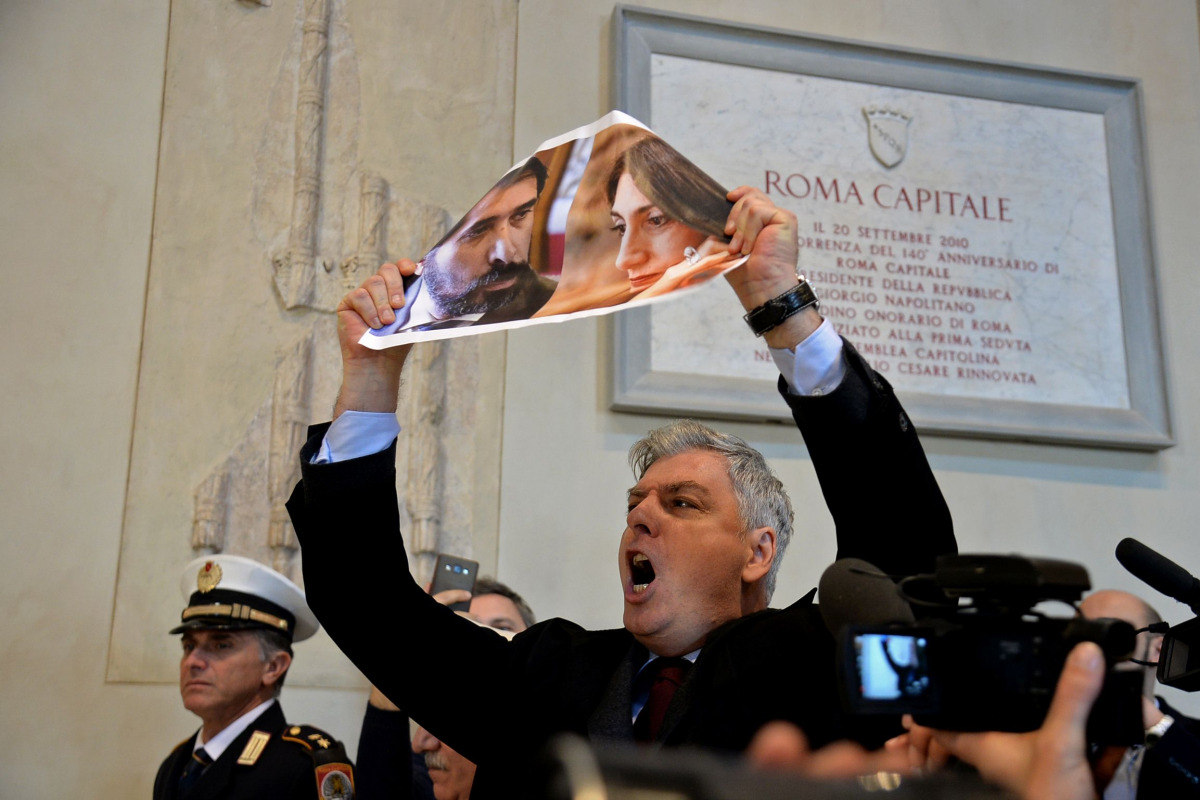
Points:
(270, 758)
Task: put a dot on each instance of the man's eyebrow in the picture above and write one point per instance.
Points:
(479, 226)
(688, 486)
(524, 207)
(486, 223)
(671, 488)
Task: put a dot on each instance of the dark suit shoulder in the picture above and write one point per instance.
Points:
(316, 743)
(288, 760)
(556, 648)
(773, 634)
(167, 769)
(560, 672)
(1171, 766)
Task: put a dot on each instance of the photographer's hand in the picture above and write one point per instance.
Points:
(1049, 763)
(920, 749)
(781, 745)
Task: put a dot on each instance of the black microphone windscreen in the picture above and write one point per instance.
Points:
(855, 592)
(1159, 572)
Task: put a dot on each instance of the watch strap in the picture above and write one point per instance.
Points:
(773, 312)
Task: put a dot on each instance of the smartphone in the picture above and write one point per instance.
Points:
(452, 572)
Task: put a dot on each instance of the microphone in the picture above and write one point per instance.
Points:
(855, 592)
(1159, 572)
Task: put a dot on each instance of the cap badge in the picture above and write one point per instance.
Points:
(209, 576)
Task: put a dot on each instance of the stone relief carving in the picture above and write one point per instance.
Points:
(372, 227)
(290, 414)
(231, 367)
(423, 493)
(295, 268)
(210, 517)
(305, 282)
(240, 505)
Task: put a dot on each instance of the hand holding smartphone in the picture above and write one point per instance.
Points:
(452, 572)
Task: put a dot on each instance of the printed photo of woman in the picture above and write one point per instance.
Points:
(601, 217)
(669, 216)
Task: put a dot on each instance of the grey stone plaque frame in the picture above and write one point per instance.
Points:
(1146, 425)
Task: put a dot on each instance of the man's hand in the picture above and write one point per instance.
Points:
(371, 378)
(781, 745)
(449, 597)
(767, 234)
(918, 746)
(1049, 763)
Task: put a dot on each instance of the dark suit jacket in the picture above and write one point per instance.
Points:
(286, 768)
(386, 768)
(1171, 767)
(556, 676)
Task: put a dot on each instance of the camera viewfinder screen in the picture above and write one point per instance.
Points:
(892, 667)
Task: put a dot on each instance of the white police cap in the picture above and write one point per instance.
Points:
(229, 592)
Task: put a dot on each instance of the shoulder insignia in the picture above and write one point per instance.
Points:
(335, 781)
(334, 773)
(254, 748)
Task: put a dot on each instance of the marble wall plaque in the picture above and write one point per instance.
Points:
(980, 265)
(974, 238)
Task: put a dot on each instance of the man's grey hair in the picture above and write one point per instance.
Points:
(762, 501)
(269, 643)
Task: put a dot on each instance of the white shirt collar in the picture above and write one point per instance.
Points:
(217, 744)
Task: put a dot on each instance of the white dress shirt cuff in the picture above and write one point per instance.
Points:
(816, 365)
(356, 434)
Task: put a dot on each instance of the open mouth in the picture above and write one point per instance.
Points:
(641, 572)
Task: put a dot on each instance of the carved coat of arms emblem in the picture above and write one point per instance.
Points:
(887, 134)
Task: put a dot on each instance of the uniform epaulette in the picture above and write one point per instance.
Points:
(335, 774)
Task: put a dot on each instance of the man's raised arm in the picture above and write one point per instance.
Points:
(874, 475)
(346, 517)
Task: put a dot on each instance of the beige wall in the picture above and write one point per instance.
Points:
(1066, 502)
(80, 102)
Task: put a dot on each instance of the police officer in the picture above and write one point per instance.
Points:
(237, 633)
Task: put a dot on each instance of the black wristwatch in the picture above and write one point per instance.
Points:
(771, 313)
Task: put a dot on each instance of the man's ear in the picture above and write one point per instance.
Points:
(275, 667)
(1155, 648)
(762, 554)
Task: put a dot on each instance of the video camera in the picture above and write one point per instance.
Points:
(979, 658)
(1179, 661)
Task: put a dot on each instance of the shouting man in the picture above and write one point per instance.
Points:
(700, 660)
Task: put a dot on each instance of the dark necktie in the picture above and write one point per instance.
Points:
(665, 675)
(194, 769)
